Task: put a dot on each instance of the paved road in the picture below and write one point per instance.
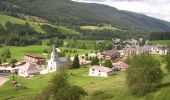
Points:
(3, 80)
(2, 74)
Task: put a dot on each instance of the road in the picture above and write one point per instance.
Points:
(2, 77)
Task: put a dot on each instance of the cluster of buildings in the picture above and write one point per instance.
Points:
(151, 49)
(35, 65)
(129, 43)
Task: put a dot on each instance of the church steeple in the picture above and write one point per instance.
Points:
(54, 52)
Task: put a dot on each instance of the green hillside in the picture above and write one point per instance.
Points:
(5, 18)
(35, 26)
(69, 12)
(111, 88)
(166, 42)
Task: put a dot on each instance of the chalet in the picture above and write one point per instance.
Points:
(111, 54)
(34, 59)
(101, 71)
(28, 69)
(121, 65)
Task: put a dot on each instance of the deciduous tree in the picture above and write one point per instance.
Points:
(144, 74)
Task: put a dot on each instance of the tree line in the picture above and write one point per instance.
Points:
(160, 36)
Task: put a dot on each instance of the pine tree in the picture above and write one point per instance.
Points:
(76, 63)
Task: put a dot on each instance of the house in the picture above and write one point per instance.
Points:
(121, 65)
(28, 69)
(55, 62)
(34, 59)
(117, 43)
(101, 71)
(111, 54)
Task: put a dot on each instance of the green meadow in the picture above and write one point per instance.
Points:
(99, 28)
(19, 52)
(160, 42)
(111, 88)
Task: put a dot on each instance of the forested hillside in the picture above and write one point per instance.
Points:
(73, 13)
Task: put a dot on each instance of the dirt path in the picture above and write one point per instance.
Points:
(3, 80)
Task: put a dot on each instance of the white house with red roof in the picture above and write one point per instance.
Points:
(28, 69)
(101, 71)
(121, 65)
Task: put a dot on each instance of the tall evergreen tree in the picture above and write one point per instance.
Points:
(76, 62)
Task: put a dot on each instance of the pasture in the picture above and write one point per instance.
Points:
(166, 42)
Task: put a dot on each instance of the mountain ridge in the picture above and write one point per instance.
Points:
(78, 13)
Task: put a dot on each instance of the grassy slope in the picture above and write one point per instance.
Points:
(35, 26)
(5, 18)
(160, 42)
(111, 88)
(100, 28)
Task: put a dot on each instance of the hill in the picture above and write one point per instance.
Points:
(111, 88)
(36, 26)
(75, 13)
(5, 19)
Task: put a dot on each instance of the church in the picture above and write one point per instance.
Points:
(55, 62)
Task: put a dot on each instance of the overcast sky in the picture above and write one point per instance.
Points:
(154, 8)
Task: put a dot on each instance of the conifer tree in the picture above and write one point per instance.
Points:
(76, 63)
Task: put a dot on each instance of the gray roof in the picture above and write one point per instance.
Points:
(61, 59)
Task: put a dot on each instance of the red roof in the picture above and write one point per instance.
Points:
(121, 64)
(111, 53)
(34, 56)
(29, 68)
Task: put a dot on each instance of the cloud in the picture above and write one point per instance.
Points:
(154, 8)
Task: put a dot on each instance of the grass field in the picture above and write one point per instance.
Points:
(19, 52)
(111, 88)
(160, 42)
(100, 28)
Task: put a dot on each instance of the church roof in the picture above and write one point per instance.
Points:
(61, 59)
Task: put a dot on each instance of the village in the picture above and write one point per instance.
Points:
(33, 65)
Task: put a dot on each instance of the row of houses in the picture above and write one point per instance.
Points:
(151, 49)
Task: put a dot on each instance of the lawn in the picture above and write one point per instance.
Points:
(19, 52)
(111, 88)
(161, 42)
